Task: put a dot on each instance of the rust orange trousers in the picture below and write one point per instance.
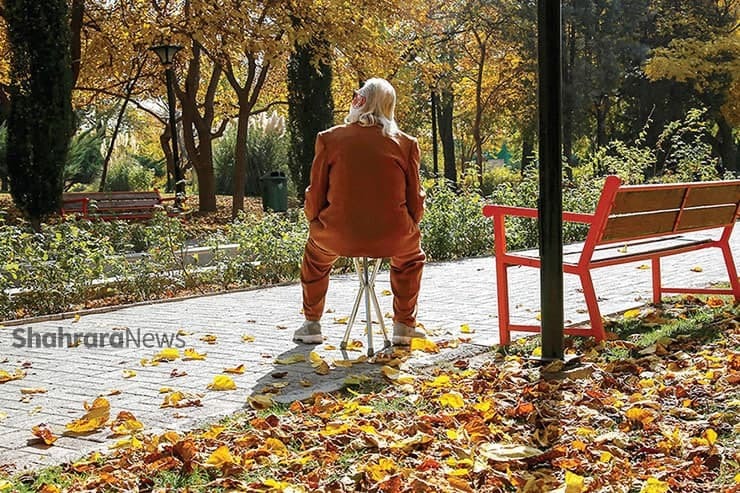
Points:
(405, 281)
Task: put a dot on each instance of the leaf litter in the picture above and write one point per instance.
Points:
(645, 416)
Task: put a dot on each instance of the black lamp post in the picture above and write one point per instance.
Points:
(166, 55)
(551, 193)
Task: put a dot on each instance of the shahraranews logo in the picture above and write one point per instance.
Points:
(30, 338)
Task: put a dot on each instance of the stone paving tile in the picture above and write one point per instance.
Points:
(453, 293)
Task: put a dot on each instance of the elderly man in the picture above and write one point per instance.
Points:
(364, 200)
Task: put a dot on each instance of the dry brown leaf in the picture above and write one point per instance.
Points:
(43, 432)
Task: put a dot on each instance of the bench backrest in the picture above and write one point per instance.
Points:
(100, 202)
(630, 212)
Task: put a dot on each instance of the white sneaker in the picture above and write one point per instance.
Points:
(309, 333)
(402, 334)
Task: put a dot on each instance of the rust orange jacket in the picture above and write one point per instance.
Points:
(365, 198)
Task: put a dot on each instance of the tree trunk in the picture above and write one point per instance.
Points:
(165, 142)
(601, 109)
(479, 117)
(207, 190)
(76, 13)
(727, 146)
(197, 125)
(527, 150)
(240, 160)
(446, 136)
(568, 64)
(116, 129)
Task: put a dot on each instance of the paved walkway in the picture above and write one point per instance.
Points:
(453, 293)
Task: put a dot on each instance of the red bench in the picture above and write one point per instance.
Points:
(114, 205)
(631, 223)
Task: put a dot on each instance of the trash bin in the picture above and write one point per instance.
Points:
(274, 192)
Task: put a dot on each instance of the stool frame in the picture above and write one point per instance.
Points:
(367, 274)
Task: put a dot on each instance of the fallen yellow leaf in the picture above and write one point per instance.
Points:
(440, 381)
(220, 457)
(238, 370)
(128, 442)
(260, 401)
(247, 338)
(397, 376)
(573, 483)
(129, 373)
(7, 377)
(167, 354)
(125, 424)
(96, 417)
(632, 313)
(222, 382)
(426, 345)
(209, 339)
(696, 268)
(653, 485)
(213, 432)
(292, 359)
(452, 399)
(465, 329)
(192, 354)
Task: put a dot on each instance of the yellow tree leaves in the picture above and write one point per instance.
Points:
(711, 66)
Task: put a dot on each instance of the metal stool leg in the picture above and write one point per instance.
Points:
(378, 312)
(368, 312)
(355, 307)
(367, 276)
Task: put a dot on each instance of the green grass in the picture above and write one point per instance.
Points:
(173, 479)
(33, 482)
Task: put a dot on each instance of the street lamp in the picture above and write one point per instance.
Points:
(166, 55)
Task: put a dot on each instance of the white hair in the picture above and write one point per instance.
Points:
(379, 107)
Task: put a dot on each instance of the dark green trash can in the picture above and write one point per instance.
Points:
(274, 192)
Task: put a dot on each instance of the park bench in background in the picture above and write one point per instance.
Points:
(631, 223)
(127, 206)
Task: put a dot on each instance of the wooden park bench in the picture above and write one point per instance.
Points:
(128, 206)
(631, 223)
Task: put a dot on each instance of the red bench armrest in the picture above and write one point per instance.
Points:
(506, 210)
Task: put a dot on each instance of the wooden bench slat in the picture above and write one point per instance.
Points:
(628, 202)
(713, 195)
(632, 226)
(707, 217)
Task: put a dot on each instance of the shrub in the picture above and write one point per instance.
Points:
(453, 225)
(84, 160)
(128, 175)
(270, 246)
(266, 152)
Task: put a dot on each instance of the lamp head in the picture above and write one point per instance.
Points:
(166, 53)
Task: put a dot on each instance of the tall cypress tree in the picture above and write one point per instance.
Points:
(40, 123)
(310, 108)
